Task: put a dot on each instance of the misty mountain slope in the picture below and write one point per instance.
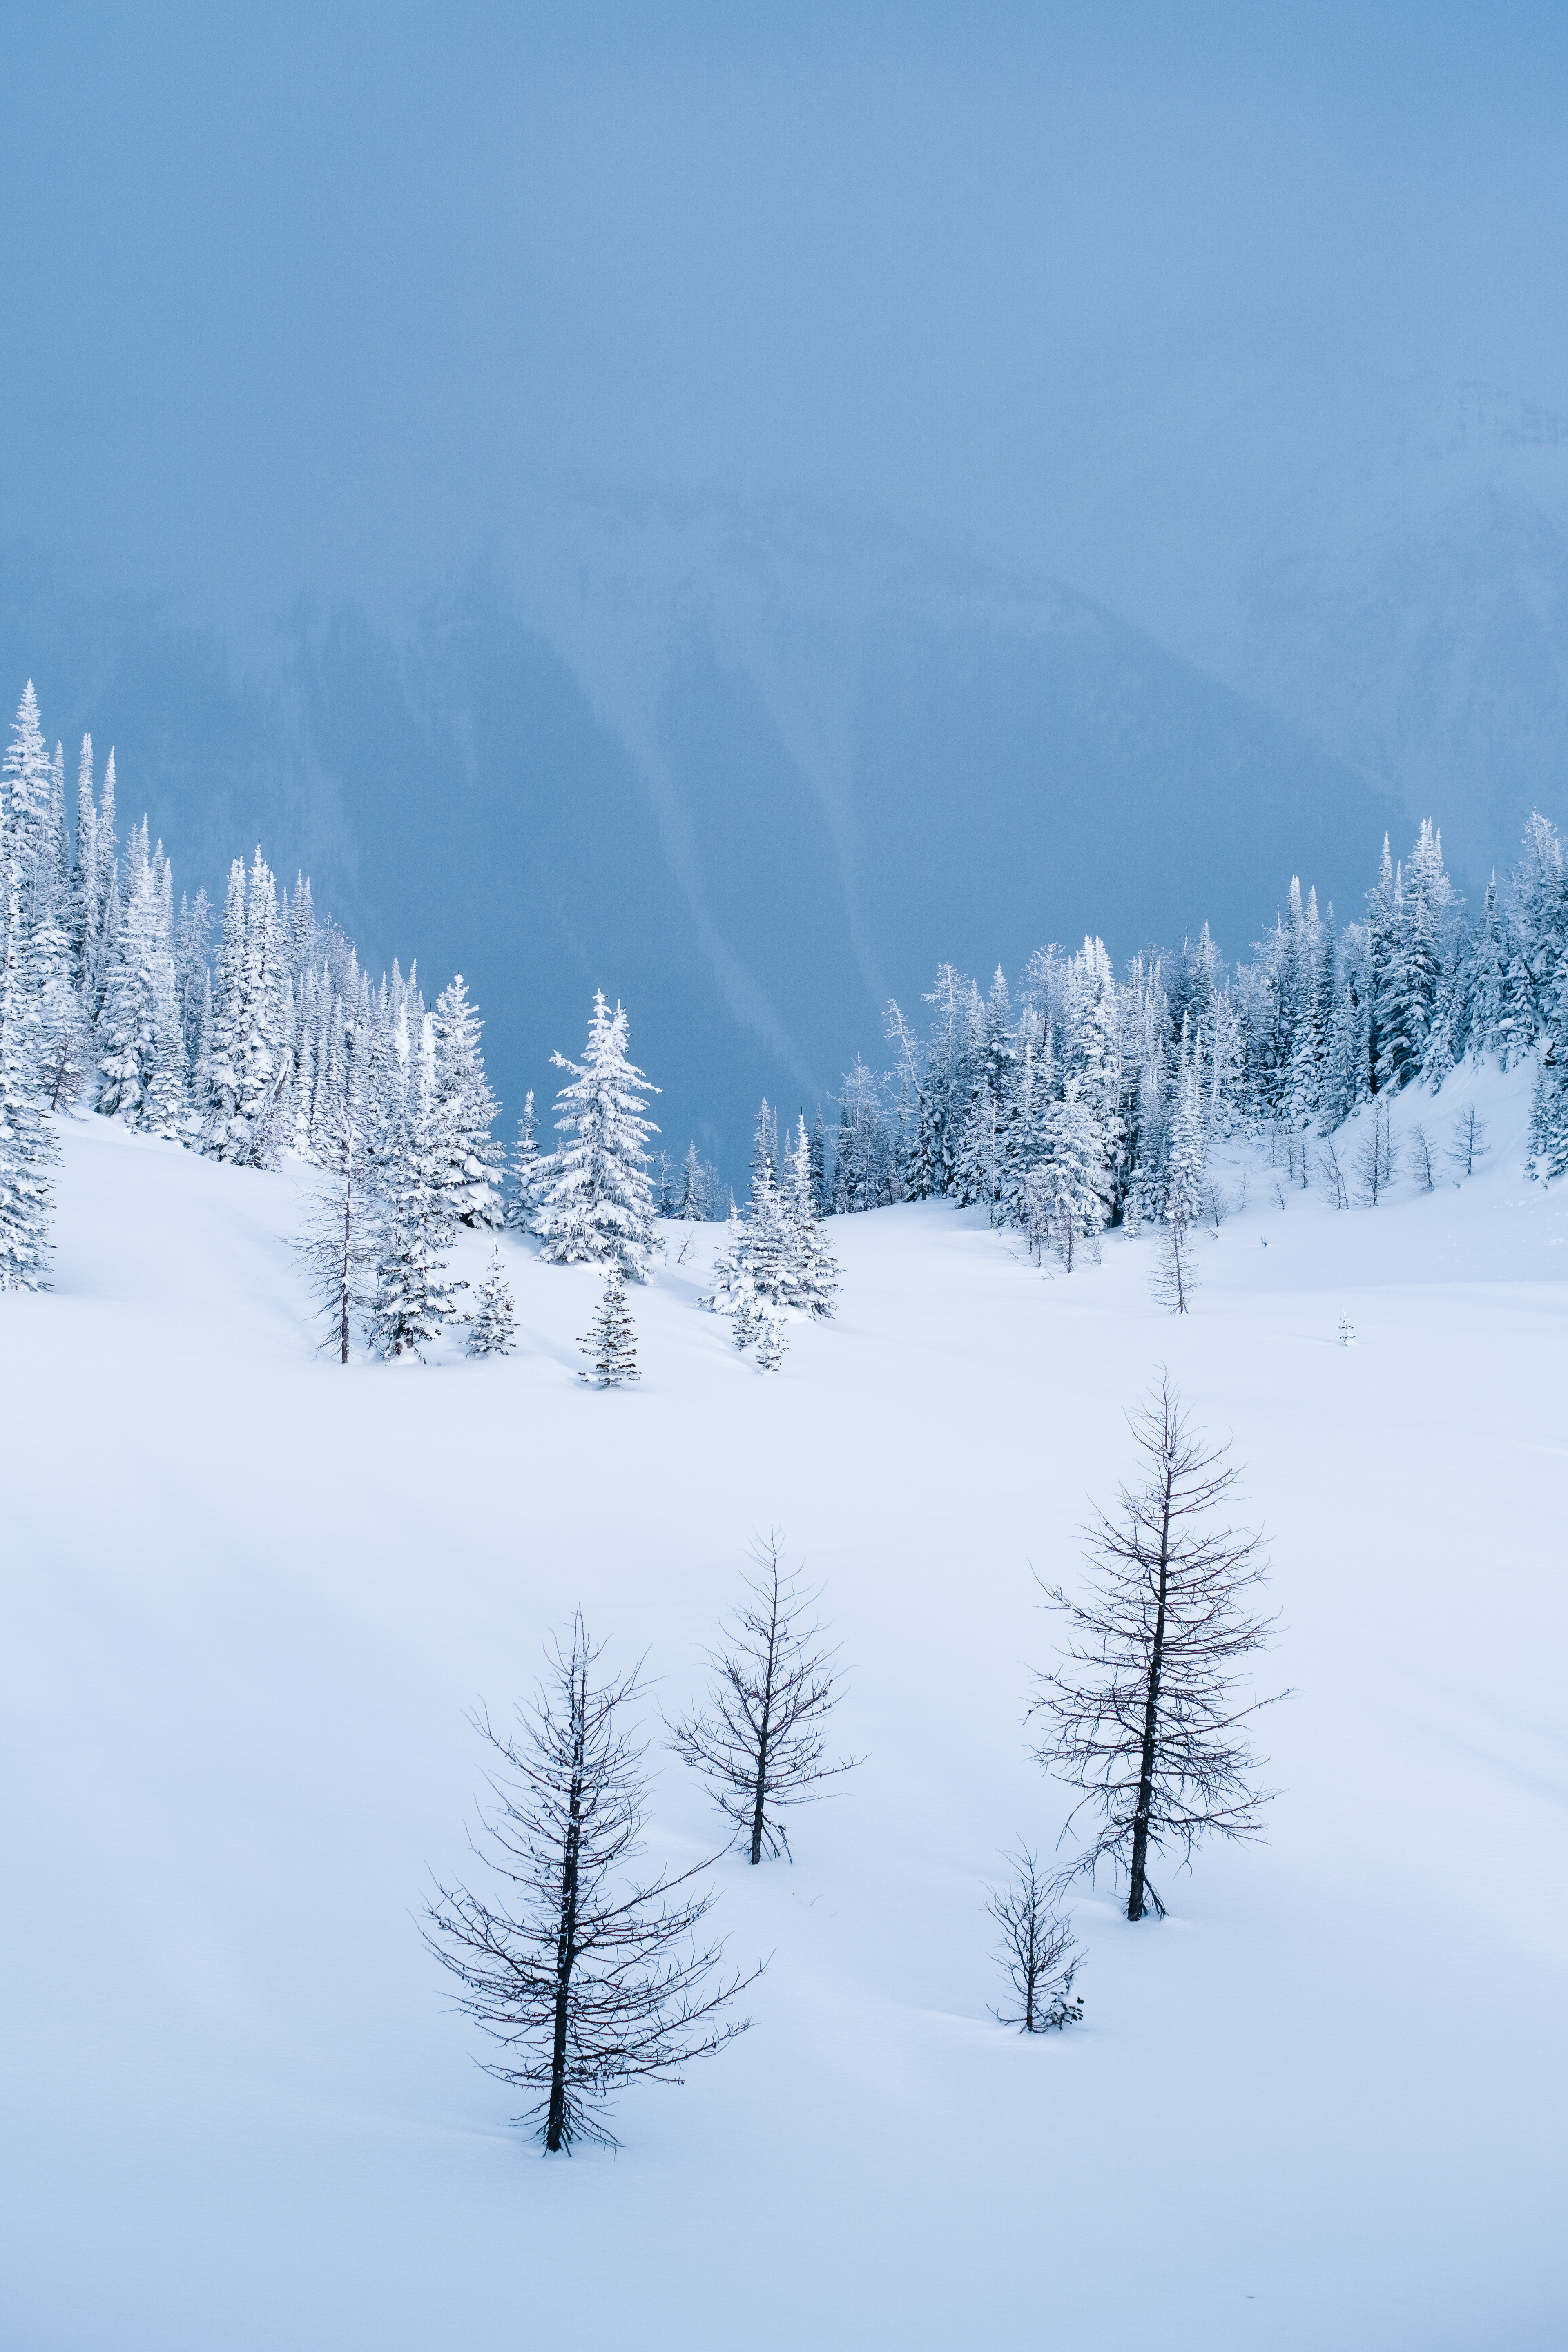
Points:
(750, 773)
(250, 1595)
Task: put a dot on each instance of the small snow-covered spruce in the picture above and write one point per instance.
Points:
(526, 1170)
(812, 1272)
(759, 1741)
(1037, 1952)
(1146, 1716)
(1175, 1277)
(598, 1199)
(492, 1330)
(611, 1342)
(338, 1245)
(772, 1343)
(1347, 1332)
(414, 1295)
(734, 1291)
(585, 1974)
(1467, 1141)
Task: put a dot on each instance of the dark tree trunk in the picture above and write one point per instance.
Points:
(1137, 1874)
(565, 1955)
(764, 1733)
(347, 1263)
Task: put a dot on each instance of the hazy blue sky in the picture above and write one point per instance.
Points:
(312, 294)
(307, 309)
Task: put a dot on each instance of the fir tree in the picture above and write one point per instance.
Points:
(415, 1298)
(492, 1331)
(611, 1343)
(598, 1203)
(27, 1149)
(465, 1112)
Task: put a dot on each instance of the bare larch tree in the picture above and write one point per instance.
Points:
(759, 1742)
(1037, 1951)
(1145, 1716)
(338, 1243)
(1175, 1277)
(587, 1975)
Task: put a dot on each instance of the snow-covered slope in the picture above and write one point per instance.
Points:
(249, 1597)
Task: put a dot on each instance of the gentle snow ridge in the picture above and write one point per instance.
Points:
(250, 1595)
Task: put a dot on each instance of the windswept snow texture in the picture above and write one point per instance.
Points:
(249, 1596)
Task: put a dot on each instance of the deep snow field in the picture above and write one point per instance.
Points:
(249, 1596)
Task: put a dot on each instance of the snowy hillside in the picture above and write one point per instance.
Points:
(250, 1595)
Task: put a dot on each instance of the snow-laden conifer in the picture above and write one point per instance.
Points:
(812, 1272)
(610, 1343)
(527, 1171)
(464, 1111)
(492, 1330)
(27, 1149)
(598, 1201)
(414, 1295)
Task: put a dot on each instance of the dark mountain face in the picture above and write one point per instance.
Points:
(795, 785)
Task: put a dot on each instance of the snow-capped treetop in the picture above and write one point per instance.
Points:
(598, 1199)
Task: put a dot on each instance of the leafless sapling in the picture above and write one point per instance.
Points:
(1420, 1144)
(338, 1245)
(1175, 1277)
(1038, 1951)
(759, 1741)
(1145, 1716)
(1331, 1173)
(1377, 1156)
(585, 1975)
(1468, 1144)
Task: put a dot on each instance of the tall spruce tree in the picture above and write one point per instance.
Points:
(598, 1201)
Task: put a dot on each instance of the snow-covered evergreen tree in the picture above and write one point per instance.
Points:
(492, 1330)
(611, 1344)
(598, 1201)
(414, 1295)
(734, 1291)
(465, 1112)
(28, 1149)
(528, 1169)
(811, 1270)
(1189, 1149)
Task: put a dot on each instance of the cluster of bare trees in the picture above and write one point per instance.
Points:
(586, 1971)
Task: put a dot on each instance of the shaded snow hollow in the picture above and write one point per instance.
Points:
(249, 1596)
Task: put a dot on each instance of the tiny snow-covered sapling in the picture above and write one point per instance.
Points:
(492, 1330)
(1038, 1951)
(1347, 1332)
(612, 1341)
